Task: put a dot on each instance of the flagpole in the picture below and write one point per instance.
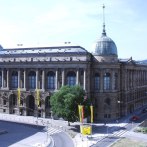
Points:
(91, 110)
(18, 101)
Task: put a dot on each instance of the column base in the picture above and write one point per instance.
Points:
(4, 88)
(23, 89)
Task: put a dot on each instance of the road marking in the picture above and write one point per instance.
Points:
(52, 131)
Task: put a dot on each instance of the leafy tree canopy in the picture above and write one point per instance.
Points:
(64, 103)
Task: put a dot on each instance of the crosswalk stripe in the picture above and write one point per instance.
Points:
(119, 133)
(52, 131)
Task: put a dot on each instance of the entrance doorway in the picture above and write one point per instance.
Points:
(12, 104)
(30, 105)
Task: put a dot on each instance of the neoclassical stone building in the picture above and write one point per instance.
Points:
(39, 68)
(116, 87)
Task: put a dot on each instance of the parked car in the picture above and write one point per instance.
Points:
(134, 118)
(144, 110)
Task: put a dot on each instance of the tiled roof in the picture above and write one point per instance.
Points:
(43, 50)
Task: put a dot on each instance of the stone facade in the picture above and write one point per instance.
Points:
(31, 70)
(116, 87)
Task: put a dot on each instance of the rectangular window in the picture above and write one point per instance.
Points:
(107, 115)
(115, 81)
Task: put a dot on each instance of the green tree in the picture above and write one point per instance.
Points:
(64, 103)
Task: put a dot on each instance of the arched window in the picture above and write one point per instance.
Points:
(14, 79)
(107, 81)
(0, 79)
(51, 80)
(32, 80)
(115, 81)
(97, 81)
(71, 78)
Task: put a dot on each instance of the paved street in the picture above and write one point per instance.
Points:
(20, 135)
(31, 131)
(103, 134)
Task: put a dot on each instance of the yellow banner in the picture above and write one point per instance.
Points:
(38, 97)
(80, 112)
(86, 129)
(18, 95)
(82, 107)
(91, 110)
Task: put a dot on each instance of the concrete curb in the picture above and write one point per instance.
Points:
(52, 143)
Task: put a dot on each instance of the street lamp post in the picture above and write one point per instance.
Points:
(51, 117)
(37, 116)
(105, 124)
(119, 102)
(47, 127)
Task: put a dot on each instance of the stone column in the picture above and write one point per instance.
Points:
(132, 78)
(127, 83)
(56, 84)
(63, 77)
(2, 78)
(43, 80)
(142, 77)
(84, 80)
(37, 79)
(24, 79)
(112, 81)
(19, 79)
(77, 77)
(7, 78)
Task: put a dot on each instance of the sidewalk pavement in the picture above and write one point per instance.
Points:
(39, 139)
(114, 128)
(100, 130)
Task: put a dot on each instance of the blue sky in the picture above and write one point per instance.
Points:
(78, 21)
